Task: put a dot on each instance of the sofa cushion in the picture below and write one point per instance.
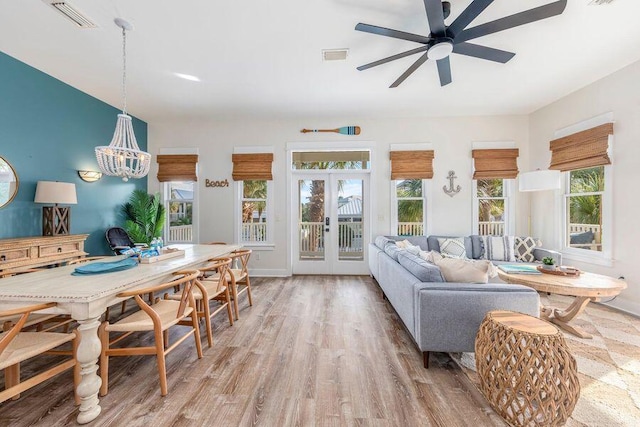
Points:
(435, 246)
(382, 241)
(499, 248)
(393, 251)
(423, 270)
(465, 270)
(523, 248)
(452, 247)
(477, 247)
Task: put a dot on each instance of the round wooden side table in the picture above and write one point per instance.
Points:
(526, 371)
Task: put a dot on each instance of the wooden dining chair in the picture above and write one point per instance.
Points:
(36, 321)
(212, 285)
(239, 277)
(17, 346)
(157, 318)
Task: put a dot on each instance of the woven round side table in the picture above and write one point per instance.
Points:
(526, 371)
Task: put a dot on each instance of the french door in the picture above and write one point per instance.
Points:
(331, 222)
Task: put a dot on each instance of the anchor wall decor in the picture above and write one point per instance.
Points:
(451, 191)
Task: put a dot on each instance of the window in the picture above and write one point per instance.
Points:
(410, 207)
(584, 194)
(492, 207)
(180, 198)
(255, 212)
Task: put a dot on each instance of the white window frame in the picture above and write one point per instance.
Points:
(426, 197)
(238, 187)
(509, 206)
(269, 242)
(508, 188)
(604, 257)
(166, 199)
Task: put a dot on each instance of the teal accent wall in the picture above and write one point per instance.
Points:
(48, 131)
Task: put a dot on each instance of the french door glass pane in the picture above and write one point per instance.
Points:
(311, 215)
(350, 219)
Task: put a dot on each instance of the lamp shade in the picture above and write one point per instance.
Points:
(56, 192)
(539, 180)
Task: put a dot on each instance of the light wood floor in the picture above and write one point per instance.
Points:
(313, 350)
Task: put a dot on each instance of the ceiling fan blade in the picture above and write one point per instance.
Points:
(410, 70)
(392, 33)
(526, 17)
(467, 16)
(444, 71)
(483, 52)
(392, 58)
(435, 17)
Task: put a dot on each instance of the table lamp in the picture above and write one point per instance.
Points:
(55, 219)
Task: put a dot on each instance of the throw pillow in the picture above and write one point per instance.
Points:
(499, 248)
(430, 256)
(465, 270)
(523, 248)
(411, 248)
(453, 248)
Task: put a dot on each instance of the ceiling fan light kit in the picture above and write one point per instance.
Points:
(440, 50)
(443, 39)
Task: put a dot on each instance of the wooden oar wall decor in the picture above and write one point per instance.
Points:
(345, 130)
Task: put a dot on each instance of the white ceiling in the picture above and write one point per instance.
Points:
(263, 58)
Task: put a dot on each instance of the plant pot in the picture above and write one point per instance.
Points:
(548, 267)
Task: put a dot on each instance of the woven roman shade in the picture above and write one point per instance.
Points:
(582, 150)
(495, 163)
(252, 166)
(177, 167)
(411, 164)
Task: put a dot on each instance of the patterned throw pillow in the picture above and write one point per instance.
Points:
(499, 248)
(524, 247)
(453, 248)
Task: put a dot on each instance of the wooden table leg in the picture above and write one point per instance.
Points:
(88, 354)
(563, 317)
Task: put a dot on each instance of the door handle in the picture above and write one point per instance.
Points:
(326, 223)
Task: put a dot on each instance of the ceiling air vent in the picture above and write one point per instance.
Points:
(71, 13)
(599, 2)
(334, 54)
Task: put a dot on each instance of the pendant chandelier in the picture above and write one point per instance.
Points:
(123, 157)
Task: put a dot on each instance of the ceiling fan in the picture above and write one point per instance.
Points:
(445, 39)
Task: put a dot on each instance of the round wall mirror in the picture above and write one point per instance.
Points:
(8, 183)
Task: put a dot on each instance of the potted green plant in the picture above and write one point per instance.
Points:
(548, 263)
(144, 217)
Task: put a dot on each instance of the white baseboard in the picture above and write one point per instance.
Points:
(627, 306)
(268, 272)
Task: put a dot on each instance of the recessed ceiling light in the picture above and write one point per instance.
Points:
(187, 77)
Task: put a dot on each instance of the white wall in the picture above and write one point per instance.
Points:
(618, 93)
(451, 137)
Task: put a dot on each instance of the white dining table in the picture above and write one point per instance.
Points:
(87, 297)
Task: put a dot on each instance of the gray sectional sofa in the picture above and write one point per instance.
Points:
(442, 316)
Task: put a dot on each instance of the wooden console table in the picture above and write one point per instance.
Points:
(40, 251)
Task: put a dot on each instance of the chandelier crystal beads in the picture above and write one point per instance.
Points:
(123, 156)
